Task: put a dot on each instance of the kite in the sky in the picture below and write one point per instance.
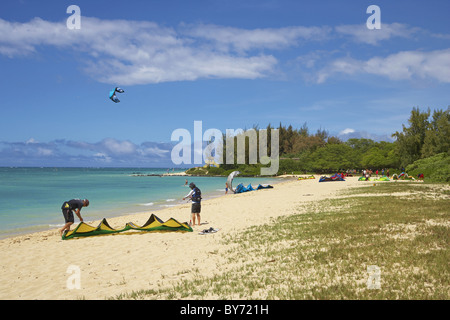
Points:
(112, 94)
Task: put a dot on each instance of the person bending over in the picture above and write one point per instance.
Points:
(67, 209)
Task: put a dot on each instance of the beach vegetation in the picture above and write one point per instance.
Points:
(426, 135)
(436, 168)
(327, 252)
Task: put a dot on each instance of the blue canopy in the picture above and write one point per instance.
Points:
(112, 94)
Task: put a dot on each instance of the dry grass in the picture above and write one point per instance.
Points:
(325, 253)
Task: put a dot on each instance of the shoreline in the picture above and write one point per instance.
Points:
(154, 208)
(34, 266)
(123, 213)
(37, 266)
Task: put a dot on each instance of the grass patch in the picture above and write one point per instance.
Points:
(414, 189)
(325, 253)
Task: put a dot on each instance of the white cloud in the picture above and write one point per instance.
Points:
(141, 52)
(44, 152)
(160, 150)
(364, 135)
(69, 153)
(31, 140)
(101, 157)
(137, 52)
(241, 40)
(405, 65)
(346, 131)
(360, 33)
(113, 146)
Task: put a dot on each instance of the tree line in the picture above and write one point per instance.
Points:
(425, 135)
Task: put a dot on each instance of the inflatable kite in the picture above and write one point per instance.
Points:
(152, 224)
(241, 188)
(336, 177)
(383, 178)
(112, 94)
(230, 180)
(402, 176)
(305, 178)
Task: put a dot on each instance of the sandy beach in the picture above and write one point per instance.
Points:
(40, 265)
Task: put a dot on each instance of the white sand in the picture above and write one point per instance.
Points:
(35, 266)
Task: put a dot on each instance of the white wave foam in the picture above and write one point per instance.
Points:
(147, 204)
(56, 225)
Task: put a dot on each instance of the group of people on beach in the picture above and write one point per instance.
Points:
(75, 205)
(368, 173)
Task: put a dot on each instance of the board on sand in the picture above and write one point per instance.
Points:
(208, 231)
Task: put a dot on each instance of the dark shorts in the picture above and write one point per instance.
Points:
(67, 213)
(196, 208)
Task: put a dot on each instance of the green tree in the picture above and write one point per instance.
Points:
(411, 140)
(437, 137)
(332, 157)
(381, 155)
(362, 145)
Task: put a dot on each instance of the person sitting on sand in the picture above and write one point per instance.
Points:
(67, 210)
(195, 195)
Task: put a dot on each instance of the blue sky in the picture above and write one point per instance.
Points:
(230, 64)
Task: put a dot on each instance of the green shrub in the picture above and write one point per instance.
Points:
(434, 169)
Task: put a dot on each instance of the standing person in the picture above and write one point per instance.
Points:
(67, 210)
(226, 187)
(196, 196)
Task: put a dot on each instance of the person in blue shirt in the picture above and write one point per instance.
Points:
(196, 196)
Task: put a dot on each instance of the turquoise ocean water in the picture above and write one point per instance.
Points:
(31, 198)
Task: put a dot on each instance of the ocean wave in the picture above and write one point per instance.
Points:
(59, 225)
(147, 204)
